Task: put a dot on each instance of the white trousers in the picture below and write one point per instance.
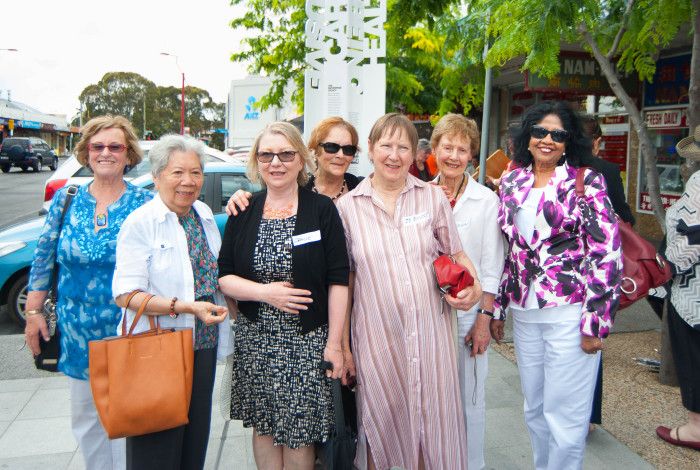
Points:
(98, 450)
(558, 380)
(472, 381)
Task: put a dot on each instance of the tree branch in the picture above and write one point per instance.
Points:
(623, 28)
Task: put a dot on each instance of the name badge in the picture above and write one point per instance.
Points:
(305, 238)
(463, 224)
(416, 218)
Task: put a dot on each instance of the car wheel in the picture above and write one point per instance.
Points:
(37, 166)
(54, 164)
(6, 168)
(17, 299)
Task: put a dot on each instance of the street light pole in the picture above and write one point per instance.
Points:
(182, 101)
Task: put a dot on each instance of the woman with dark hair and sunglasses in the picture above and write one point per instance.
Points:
(561, 279)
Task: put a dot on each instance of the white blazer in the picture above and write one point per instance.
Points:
(152, 256)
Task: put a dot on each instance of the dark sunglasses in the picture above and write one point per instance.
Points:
(558, 135)
(332, 147)
(113, 148)
(267, 157)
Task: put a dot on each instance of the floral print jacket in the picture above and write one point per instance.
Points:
(575, 253)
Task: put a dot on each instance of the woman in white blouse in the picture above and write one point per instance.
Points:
(454, 141)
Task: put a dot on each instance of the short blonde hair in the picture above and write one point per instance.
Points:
(390, 123)
(289, 132)
(456, 125)
(134, 154)
(324, 127)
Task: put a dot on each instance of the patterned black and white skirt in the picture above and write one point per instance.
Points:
(278, 386)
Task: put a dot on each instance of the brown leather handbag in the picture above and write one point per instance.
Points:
(142, 383)
(643, 268)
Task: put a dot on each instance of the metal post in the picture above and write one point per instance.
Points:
(182, 107)
(144, 116)
(486, 116)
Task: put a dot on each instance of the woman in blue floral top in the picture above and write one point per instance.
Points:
(84, 250)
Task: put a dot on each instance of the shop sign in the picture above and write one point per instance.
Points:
(29, 124)
(666, 118)
(48, 127)
(578, 73)
(621, 119)
(670, 83)
(667, 200)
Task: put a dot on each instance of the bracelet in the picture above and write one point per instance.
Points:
(29, 313)
(485, 312)
(172, 308)
(334, 349)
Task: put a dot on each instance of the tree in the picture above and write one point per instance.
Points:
(694, 89)
(624, 36)
(127, 94)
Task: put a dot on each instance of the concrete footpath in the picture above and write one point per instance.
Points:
(35, 428)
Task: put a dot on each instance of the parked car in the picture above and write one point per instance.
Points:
(72, 172)
(26, 152)
(18, 242)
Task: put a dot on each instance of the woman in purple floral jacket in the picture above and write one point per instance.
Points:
(561, 279)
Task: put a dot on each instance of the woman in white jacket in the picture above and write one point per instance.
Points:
(455, 140)
(169, 248)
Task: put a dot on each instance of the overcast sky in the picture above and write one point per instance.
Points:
(68, 44)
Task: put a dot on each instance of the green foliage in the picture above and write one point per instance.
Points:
(126, 93)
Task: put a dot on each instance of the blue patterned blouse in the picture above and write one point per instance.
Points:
(86, 310)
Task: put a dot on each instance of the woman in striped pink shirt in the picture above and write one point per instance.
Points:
(403, 349)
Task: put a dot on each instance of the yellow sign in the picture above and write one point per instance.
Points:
(11, 124)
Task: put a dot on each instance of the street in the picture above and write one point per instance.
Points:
(23, 194)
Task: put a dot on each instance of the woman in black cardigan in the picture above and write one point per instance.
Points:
(285, 261)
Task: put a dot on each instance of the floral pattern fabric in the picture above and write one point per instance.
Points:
(85, 308)
(574, 255)
(205, 271)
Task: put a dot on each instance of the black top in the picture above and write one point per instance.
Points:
(616, 192)
(316, 263)
(351, 180)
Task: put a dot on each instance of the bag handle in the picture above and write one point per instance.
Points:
(340, 429)
(70, 193)
(140, 311)
(580, 186)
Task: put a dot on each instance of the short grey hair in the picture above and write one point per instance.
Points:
(160, 154)
(423, 144)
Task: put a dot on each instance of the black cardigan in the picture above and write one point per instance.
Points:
(315, 265)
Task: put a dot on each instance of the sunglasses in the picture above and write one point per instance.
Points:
(113, 148)
(267, 157)
(559, 135)
(332, 147)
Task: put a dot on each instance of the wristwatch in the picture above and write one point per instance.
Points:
(485, 312)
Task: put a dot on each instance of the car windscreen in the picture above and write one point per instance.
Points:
(142, 168)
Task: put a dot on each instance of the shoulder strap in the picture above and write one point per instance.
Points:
(580, 186)
(70, 193)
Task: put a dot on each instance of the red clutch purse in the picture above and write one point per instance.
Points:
(451, 277)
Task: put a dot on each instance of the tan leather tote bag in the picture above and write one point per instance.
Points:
(142, 383)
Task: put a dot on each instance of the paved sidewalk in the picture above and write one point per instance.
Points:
(35, 428)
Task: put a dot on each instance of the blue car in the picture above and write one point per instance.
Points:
(18, 242)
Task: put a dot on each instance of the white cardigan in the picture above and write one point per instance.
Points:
(152, 256)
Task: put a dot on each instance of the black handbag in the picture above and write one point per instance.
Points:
(47, 359)
(338, 452)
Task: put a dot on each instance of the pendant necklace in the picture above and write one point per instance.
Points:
(101, 217)
(453, 201)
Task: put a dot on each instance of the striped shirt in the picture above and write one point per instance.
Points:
(408, 391)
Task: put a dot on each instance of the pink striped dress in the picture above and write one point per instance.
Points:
(407, 394)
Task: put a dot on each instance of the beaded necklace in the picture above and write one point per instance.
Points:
(343, 190)
(453, 201)
(282, 213)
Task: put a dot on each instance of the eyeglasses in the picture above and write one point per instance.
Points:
(113, 148)
(558, 135)
(332, 147)
(267, 157)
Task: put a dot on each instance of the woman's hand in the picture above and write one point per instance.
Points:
(591, 344)
(348, 378)
(239, 200)
(465, 299)
(478, 337)
(208, 312)
(334, 355)
(284, 296)
(36, 324)
(497, 330)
